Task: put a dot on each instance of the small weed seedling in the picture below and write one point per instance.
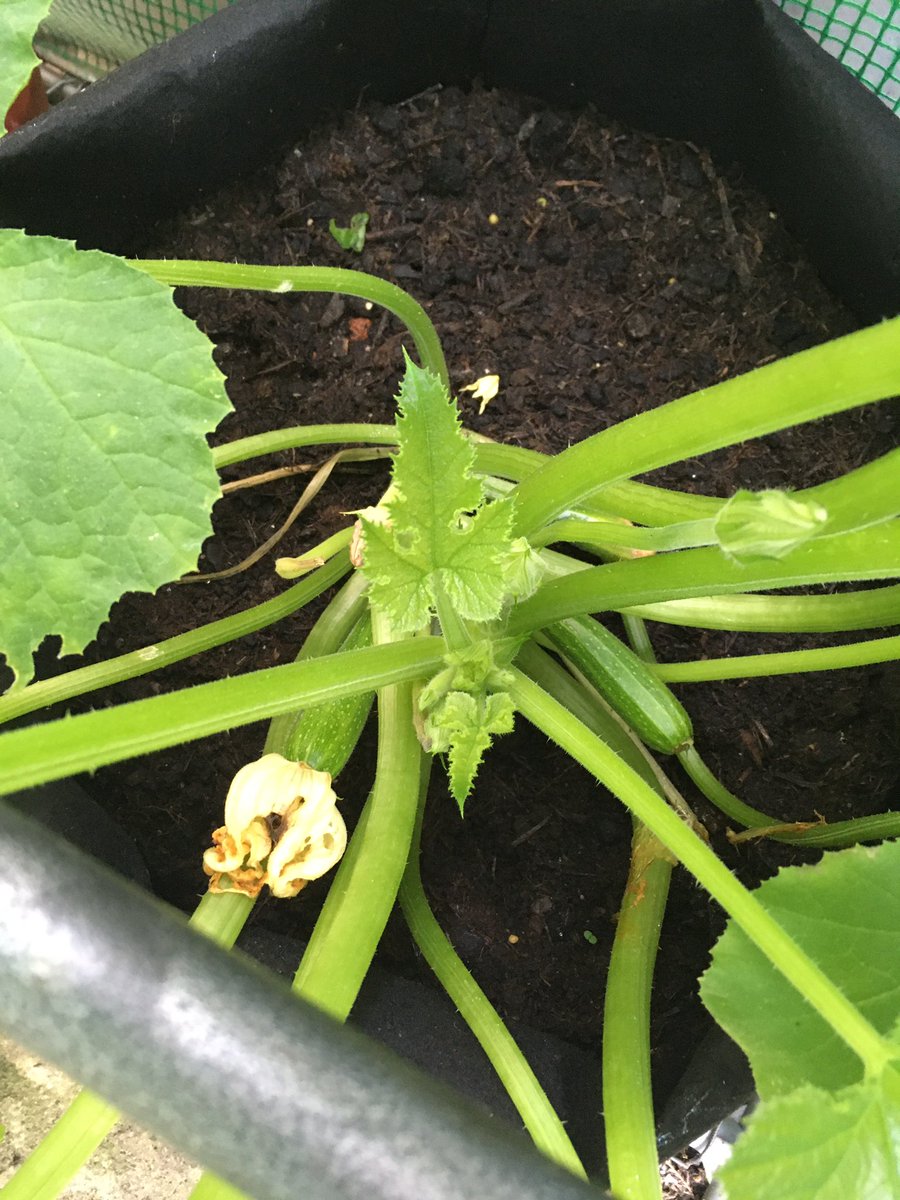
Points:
(352, 236)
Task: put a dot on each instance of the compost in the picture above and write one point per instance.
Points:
(598, 272)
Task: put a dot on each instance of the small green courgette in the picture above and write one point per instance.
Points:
(626, 682)
(325, 735)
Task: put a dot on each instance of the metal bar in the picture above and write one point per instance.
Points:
(217, 1057)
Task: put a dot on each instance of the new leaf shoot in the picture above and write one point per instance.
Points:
(352, 236)
(446, 551)
(443, 539)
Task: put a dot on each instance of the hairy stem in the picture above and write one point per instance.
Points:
(630, 1128)
(187, 273)
(629, 1124)
(522, 1085)
(65, 747)
(841, 374)
(872, 553)
(868, 609)
(365, 887)
(814, 834)
(788, 662)
(175, 649)
(747, 912)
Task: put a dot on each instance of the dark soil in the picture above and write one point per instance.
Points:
(622, 271)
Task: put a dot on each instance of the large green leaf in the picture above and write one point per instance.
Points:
(815, 1145)
(18, 21)
(442, 537)
(107, 393)
(824, 1130)
(845, 913)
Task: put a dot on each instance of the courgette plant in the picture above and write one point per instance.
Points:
(452, 610)
(457, 616)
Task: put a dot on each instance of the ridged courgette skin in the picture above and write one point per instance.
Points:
(325, 735)
(625, 682)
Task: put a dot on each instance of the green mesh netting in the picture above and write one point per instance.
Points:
(91, 37)
(862, 34)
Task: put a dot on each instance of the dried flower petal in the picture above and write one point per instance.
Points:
(306, 850)
(378, 514)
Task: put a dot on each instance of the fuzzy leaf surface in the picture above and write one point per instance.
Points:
(19, 20)
(442, 538)
(464, 724)
(107, 393)
(845, 913)
(817, 1145)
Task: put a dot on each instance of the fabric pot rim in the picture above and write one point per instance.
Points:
(741, 78)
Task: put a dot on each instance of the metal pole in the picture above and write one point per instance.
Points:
(217, 1057)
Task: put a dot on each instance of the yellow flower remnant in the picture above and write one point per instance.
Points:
(483, 389)
(282, 829)
(378, 514)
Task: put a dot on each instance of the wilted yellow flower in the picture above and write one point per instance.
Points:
(483, 389)
(282, 828)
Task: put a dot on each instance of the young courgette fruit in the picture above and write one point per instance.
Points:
(626, 682)
(325, 735)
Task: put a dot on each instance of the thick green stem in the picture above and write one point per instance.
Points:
(296, 436)
(813, 834)
(639, 637)
(64, 1150)
(629, 1124)
(842, 374)
(788, 662)
(759, 926)
(853, 500)
(627, 1094)
(522, 1085)
(678, 536)
(872, 553)
(175, 649)
(221, 916)
(365, 888)
(65, 747)
(211, 1187)
(186, 273)
(554, 679)
(869, 609)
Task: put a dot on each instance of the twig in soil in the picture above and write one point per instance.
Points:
(307, 496)
(523, 837)
(732, 237)
(237, 485)
(279, 366)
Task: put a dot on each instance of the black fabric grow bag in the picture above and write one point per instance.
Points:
(740, 77)
(219, 100)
